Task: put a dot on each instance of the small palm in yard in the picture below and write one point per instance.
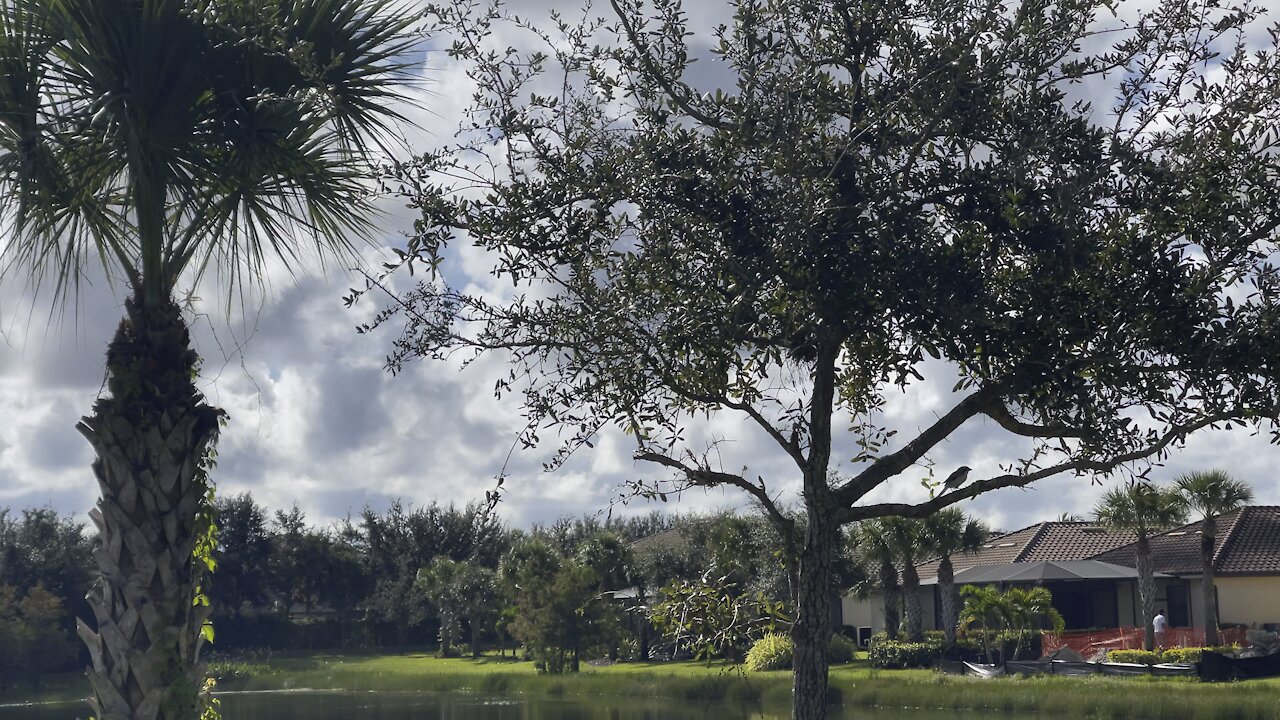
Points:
(1142, 508)
(164, 138)
(1211, 493)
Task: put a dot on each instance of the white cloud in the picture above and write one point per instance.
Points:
(315, 420)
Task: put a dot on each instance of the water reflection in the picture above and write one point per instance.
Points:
(312, 705)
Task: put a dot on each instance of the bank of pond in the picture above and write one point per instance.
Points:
(416, 686)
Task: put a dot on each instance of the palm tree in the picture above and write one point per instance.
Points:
(946, 533)
(905, 537)
(1211, 493)
(1142, 508)
(165, 138)
(876, 546)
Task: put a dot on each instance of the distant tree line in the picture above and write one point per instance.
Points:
(44, 574)
(456, 579)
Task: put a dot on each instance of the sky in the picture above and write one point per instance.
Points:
(316, 420)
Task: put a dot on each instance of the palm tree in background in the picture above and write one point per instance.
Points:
(946, 533)
(1211, 493)
(164, 138)
(906, 537)
(874, 542)
(1142, 508)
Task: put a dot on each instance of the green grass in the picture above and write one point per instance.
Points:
(855, 684)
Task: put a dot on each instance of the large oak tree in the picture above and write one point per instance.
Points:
(853, 188)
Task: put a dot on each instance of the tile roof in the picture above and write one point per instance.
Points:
(1248, 543)
(1039, 542)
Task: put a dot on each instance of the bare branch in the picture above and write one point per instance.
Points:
(706, 477)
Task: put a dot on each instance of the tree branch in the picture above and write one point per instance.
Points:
(681, 99)
(706, 477)
(996, 410)
(1020, 480)
(894, 463)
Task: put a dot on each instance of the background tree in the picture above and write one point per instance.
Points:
(946, 533)
(244, 551)
(906, 540)
(874, 541)
(49, 643)
(164, 138)
(1211, 493)
(38, 547)
(13, 636)
(856, 188)
(1142, 508)
(442, 584)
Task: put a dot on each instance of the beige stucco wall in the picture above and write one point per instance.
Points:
(870, 612)
(1248, 600)
(863, 613)
(1125, 603)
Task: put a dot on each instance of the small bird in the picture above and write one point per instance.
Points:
(957, 478)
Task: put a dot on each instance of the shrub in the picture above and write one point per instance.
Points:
(1141, 657)
(1182, 655)
(840, 649)
(894, 655)
(771, 652)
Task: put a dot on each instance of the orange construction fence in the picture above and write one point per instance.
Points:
(1091, 642)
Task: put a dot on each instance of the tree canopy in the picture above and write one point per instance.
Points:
(860, 198)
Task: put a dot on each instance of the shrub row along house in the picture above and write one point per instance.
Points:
(1090, 570)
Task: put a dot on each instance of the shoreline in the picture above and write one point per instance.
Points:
(852, 685)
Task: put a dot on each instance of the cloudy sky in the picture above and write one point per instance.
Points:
(315, 420)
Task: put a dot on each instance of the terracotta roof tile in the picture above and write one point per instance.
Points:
(1043, 541)
(1248, 543)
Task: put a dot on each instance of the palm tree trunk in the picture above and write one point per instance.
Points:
(151, 437)
(1146, 590)
(890, 594)
(1208, 536)
(950, 606)
(911, 602)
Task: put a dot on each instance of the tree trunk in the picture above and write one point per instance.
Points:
(911, 602)
(1208, 534)
(475, 639)
(1146, 590)
(949, 601)
(446, 633)
(890, 594)
(811, 632)
(151, 437)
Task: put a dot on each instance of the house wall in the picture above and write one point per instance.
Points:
(870, 612)
(867, 612)
(1248, 600)
(1126, 604)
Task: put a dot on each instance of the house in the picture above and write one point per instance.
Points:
(1102, 593)
(1091, 603)
(1246, 568)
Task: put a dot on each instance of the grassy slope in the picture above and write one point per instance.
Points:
(855, 684)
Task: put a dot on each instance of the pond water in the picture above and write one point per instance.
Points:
(323, 705)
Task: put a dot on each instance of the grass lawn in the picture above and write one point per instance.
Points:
(853, 684)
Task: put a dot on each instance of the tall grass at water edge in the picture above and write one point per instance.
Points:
(854, 685)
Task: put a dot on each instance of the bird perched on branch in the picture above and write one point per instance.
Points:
(957, 478)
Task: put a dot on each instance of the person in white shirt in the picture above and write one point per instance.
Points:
(1160, 624)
